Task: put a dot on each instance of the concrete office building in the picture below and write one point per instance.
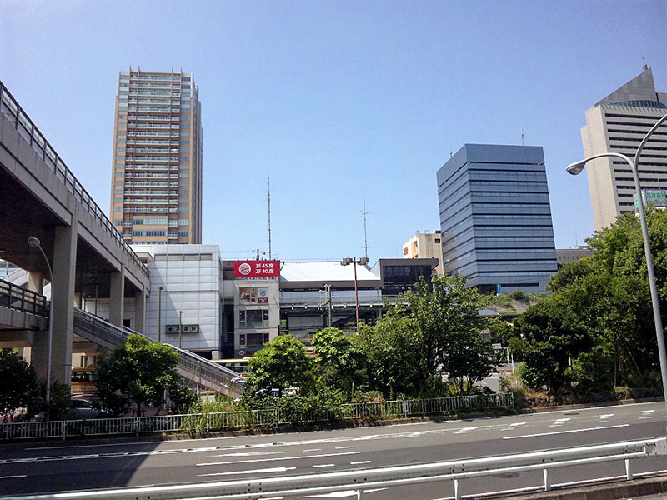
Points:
(495, 218)
(157, 161)
(618, 123)
(425, 245)
(569, 255)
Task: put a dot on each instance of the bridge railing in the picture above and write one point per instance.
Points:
(11, 109)
(199, 367)
(20, 299)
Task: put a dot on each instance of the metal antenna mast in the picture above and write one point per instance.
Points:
(365, 233)
(269, 213)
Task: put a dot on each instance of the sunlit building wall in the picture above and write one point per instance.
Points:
(157, 161)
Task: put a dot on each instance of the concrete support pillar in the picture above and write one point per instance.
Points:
(36, 282)
(140, 311)
(63, 263)
(116, 297)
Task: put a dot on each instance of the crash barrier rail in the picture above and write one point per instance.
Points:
(20, 299)
(15, 114)
(200, 423)
(97, 329)
(362, 480)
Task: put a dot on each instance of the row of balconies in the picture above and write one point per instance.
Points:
(152, 192)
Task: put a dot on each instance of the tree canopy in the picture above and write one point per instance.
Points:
(600, 313)
(139, 369)
(282, 363)
(19, 385)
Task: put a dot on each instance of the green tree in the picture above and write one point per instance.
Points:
(19, 385)
(446, 315)
(140, 369)
(282, 363)
(394, 352)
(609, 297)
(547, 338)
(339, 360)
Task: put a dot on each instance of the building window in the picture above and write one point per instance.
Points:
(254, 318)
(253, 295)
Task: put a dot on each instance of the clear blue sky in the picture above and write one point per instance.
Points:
(338, 102)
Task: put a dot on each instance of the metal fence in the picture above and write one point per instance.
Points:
(201, 423)
(18, 298)
(10, 108)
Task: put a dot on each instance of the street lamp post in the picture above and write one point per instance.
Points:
(576, 168)
(180, 329)
(346, 262)
(159, 312)
(33, 242)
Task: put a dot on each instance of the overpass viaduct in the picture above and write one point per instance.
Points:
(41, 197)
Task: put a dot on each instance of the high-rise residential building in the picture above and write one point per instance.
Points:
(495, 218)
(618, 123)
(157, 161)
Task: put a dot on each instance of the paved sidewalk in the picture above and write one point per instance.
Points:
(652, 488)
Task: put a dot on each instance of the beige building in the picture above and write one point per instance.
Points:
(425, 245)
(157, 161)
(618, 123)
(568, 255)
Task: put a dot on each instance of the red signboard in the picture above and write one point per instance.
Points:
(257, 269)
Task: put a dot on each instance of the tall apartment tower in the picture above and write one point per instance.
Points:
(495, 218)
(157, 161)
(618, 123)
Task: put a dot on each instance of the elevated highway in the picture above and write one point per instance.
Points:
(26, 312)
(41, 197)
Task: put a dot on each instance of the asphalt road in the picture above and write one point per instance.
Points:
(32, 469)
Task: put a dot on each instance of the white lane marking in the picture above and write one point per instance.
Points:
(311, 450)
(257, 460)
(540, 434)
(361, 462)
(251, 454)
(465, 429)
(560, 421)
(646, 414)
(343, 447)
(323, 465)
(12, 477)
(344, 494)
(513, 426)
(606, 416)
(256, 471)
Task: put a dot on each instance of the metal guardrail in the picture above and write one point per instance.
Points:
(10, 108)
(199, 423)
(97, 329)
(361, 480)
(20, 299)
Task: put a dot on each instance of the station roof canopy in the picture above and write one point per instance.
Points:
(316, 274)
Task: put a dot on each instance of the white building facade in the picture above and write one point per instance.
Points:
(184, 308)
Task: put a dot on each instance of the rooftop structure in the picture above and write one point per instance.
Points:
(618, 123)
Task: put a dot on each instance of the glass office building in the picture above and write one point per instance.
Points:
(495, 218)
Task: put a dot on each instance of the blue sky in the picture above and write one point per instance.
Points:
(339, 102)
